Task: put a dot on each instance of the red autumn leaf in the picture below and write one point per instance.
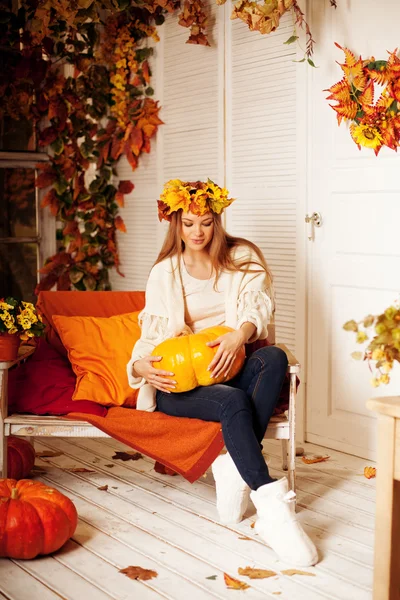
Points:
(119, 224)
(146, 71)
(62, 258)
(138, 573)
(127, 456)
(45, 179)
(135, 140)
(70, 227)
(163, 470)
(314, 459)
(117, 146)
(46, 283)
(51, 200)
(64, 282)
(125, 187)
(48, 136)
(131, 158)
(119, 199)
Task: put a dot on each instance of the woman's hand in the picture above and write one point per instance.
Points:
(229, 345)
(161, 380)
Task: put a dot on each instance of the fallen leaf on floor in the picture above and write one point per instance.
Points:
(234, 584)
(297, 572)
(48, 454)
(256, 573)
(103, 488)
(109, 466)
(369, 472)
(252, 525)
(314, 459)
(38, 470)
(212, 577)
(80, 470)
(277, 593)
(114, 487)
(139, 573)
(163, 470)
(127, 456)
(244, 537)
(95, 460)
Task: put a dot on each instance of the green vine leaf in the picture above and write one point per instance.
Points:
(292, 39)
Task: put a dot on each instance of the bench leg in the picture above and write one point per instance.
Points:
(285, 455)
(3, 455)
(292, 434)
(3, 414)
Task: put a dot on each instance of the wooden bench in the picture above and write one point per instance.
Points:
(30, 426)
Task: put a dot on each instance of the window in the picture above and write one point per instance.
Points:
(21, 225)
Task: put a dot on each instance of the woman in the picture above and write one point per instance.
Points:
(205, 277)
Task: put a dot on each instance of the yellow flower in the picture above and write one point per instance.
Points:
(387, 367)
(384, 379)
(361, 337)
(367, 136)
(375, 382)
(13, 330)
(28, 305)
(24, 322)
(5, 306)
(377, 354)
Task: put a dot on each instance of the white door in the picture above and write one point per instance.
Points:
(354, 260)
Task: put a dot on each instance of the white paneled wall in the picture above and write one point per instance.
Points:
(230, 114)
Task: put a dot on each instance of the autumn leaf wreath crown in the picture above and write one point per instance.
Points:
(197, 197)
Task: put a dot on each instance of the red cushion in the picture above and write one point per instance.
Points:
(44, 385)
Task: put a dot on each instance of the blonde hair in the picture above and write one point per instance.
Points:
(221, 249)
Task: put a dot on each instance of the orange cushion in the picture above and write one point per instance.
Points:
(84, 304)
(99, 349)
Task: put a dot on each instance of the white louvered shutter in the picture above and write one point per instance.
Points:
(261, 154)
(193, 95)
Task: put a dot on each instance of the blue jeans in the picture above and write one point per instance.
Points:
(243, 406)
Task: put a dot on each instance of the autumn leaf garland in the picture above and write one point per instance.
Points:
(373, 124)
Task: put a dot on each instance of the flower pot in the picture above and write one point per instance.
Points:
(9, 345)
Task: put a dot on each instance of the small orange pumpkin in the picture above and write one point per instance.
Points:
(34, 518)
(20, 459)
(188, 357)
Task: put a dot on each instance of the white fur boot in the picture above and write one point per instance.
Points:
(277, 524)
(232, 492)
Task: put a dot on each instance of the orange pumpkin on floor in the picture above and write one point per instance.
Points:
(20, 458)
(34, 518)
(188, 357)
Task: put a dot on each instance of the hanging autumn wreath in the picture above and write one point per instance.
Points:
(373, 124)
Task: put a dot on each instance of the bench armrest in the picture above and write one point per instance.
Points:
(294, 365)
(5, 365)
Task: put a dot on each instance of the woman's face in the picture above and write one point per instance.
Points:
(197, 232)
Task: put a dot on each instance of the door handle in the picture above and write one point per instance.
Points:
(314, 220)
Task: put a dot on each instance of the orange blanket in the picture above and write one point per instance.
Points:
(187, 446)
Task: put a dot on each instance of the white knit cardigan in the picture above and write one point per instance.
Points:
(246, 300)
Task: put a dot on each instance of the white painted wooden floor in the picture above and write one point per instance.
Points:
(168, 525)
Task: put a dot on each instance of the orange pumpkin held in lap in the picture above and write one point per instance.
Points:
(188, 357)
(34, 518)
(20, 459)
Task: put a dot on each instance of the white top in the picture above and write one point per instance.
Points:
(246, 299)
(204, 305)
